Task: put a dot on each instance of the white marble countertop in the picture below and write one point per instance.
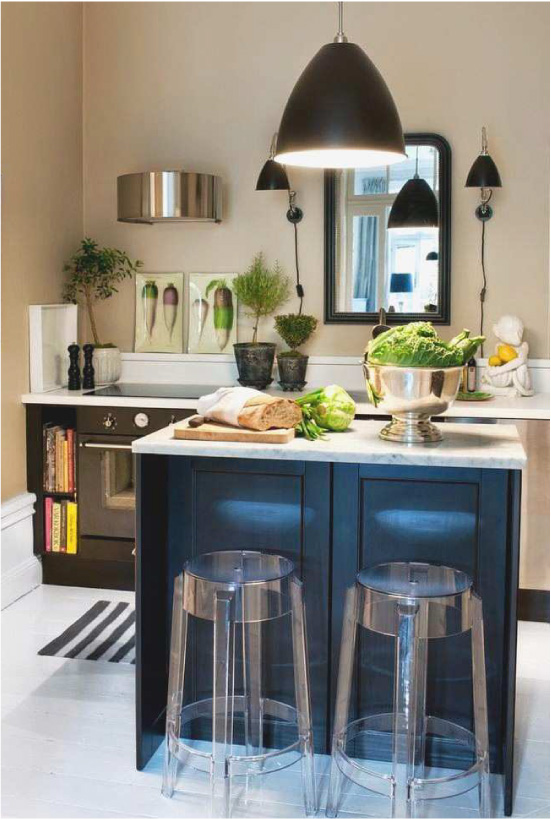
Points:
(464, 445)
(533, 407)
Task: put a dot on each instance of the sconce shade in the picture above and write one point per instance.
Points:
(340, 114)
(415, 206)
(273, 177)
(483, 173)
(401, 283)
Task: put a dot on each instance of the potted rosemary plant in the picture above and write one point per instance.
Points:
(295, 329)
(94, 273)
(261, 290)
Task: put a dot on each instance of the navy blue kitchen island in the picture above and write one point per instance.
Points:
(333, 507)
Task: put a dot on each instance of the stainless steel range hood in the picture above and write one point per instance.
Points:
(169, 196)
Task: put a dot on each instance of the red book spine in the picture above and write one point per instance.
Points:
(71, 458)
(48, 502)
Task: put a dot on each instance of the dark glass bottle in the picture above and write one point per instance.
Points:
(471, 375)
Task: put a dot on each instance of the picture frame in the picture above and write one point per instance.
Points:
(159, 325)
(212, 313)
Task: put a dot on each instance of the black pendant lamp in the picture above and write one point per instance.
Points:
(416, 205)
(340, 113)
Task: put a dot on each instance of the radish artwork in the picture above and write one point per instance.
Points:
(201, 309)
(150, 295)
(170, 307)
(222, 310)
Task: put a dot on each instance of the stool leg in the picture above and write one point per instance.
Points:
(223, 696)
(252, 686)
(406, 703)
(302, 696)
(178, 640)
(344, 690)
(480, 706)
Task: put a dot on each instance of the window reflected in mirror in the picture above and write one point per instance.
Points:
(404, 270)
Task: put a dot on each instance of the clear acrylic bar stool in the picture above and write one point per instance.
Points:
(413, 602)
(237, 591)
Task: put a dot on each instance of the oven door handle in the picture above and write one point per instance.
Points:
(107, 446)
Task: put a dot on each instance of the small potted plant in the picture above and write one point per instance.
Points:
(94, 273)
(295, 329)
(261, 290)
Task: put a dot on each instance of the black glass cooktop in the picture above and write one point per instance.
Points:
(155, 391)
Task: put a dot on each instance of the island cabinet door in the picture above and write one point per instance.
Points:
(273, 506)
(457, 517)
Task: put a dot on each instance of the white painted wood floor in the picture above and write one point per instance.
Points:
(68, 734)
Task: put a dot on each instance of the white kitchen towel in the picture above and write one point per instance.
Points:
(226, 404)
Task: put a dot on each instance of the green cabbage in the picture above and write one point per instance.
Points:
(330, 407)
(417, 345)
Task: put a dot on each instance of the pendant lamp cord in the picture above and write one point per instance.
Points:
(299, 288)
(484, 283)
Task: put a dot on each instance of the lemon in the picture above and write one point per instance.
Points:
(494, 361)
(506, 353)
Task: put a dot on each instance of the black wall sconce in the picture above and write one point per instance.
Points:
(483, 175)
(273, 177)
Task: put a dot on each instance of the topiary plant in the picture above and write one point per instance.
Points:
(94, 272)
(261, 289)
(295, 329)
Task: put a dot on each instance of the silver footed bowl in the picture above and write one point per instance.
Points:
(411, 395)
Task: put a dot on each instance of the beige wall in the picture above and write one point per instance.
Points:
(203, 86)
(41, 189)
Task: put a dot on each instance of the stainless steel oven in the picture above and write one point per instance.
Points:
(106, 467)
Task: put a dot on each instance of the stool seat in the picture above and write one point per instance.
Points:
(239, 567)
(414, 580)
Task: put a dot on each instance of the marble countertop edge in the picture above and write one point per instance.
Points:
(475, 446)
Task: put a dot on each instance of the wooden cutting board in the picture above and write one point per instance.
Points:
(212, 431)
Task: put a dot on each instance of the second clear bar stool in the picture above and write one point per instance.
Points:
(412, 602)
(237, 591)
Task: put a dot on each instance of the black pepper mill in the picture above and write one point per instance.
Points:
(74, 367)
(88, 369)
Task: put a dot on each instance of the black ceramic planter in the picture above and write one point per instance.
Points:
(292, 372)
(255, 363)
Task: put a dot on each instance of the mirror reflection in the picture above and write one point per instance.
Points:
(374, 266)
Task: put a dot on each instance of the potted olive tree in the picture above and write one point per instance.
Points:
(261, 290)
(295, 329)
(94, 273)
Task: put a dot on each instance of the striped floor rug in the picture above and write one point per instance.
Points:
(105, 633)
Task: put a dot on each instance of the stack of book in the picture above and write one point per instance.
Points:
(60, 525)
(60, 514)
(59, 459)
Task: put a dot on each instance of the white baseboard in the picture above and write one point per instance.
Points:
(21, 569)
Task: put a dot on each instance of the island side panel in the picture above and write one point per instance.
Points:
(276, 506)
(510, 645)
(452, 516)
(152, 603)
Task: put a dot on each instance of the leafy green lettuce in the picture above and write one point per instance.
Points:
(417, 345)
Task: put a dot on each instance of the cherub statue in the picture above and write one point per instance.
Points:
(512, 377)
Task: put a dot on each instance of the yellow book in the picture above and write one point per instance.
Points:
(65, 466)
(72, 527)
(56, 526)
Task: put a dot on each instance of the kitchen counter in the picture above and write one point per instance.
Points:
(533, 407)
(464, 445)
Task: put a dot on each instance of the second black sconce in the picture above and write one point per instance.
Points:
(273, 177)
(483, 175)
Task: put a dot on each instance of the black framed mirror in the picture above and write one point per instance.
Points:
(368, 266)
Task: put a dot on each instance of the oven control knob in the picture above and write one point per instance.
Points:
(141, 420)
(109, 421)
